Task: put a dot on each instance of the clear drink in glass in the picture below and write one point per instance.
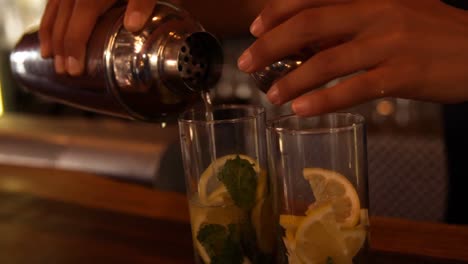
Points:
(227, 183)
(320, 168)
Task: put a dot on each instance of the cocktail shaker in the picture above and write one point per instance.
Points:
(147, 75)
(265, 77)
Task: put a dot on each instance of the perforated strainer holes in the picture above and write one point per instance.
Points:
(192, 62)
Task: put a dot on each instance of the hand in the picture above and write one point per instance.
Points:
(67, 25)
(414, 49)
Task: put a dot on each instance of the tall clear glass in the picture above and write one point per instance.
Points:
(227, 184)
(320, 166)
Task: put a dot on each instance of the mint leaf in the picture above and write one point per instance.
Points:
(330, 260)
(212, 237)
(239, 177)
(221, 243)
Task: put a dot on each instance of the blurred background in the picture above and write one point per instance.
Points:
(406, 151)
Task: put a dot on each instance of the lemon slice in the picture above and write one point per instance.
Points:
(318, 238)
(219, 196)
(208, 180)
(290, 223)
(354, 239)
(262, 220)
(221, 215)
(291, 251)
(330, 186)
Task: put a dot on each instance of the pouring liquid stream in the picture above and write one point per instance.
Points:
(210, 129)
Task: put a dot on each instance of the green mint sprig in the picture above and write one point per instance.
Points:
(239, 177)
(221, 243)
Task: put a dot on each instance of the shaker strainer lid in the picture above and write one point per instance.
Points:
(200, 61)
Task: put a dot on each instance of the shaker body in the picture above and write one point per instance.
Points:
(88, 91)
(126, 75)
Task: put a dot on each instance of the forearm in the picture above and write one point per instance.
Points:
(226, 18)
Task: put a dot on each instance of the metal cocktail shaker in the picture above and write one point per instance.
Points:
(146, 75)
(265, 77)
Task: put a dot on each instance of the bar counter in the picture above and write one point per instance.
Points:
(58, 216)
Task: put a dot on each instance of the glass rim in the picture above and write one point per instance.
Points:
(358, 122)
(258, 110)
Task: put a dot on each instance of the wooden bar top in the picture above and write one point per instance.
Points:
(52, 216)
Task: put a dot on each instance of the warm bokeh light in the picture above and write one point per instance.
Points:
(385, 108)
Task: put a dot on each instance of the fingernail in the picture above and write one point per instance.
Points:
(45, 51)
(245, 61)
(134, 21)
(299, 107)
(73, 66)
(257, 27)
(273, 95)
(59, 64)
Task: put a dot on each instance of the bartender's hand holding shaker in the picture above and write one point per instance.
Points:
(409, 49)
(67, 25)
(414, 49)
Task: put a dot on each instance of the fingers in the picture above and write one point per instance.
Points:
(355, 90)
(60, 26)
(46, 26)
(304, 30)
(348, 58)
(67, 25)
(138, 12)
(81, 24)
(277, 11)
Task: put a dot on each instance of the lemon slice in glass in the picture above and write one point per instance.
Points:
(318, 238)
(290, 223)
(354, 239)
(291, 251)
(331, 186)
(219, 214)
